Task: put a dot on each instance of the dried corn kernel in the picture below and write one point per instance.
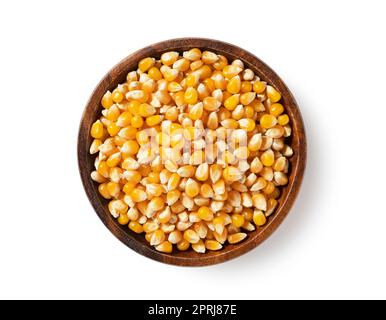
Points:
(191, 150)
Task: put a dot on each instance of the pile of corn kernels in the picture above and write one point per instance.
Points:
(191, 151)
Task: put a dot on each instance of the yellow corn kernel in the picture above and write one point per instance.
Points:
(132, 176)
(168, 58)
(231, 71)
(247, 98)
(117, 96)
(259, 86)
(136, 121)
(209, 84)
(94, 148)
(268, 121)
(209, 57)
(192, 79)
(259, 218)
(269, 188)
(231, 102)
(154, 73)
(181, 65)
(191, 96)
(267, 158)
(138, 195)
(213, 245)
(202, 172)
(130, 148)
(273, 94)
(128, 132)
(114, 189)
(247, 124)
(146, 110)
(191, 236)
(171, 114)
(128, 187)
(102, 188)
(206, 191)
(157, 237)
(236, 237)
(204, 72)
(195, 65)
(150, 226)
(156, 204)
(142, 137)
(186, 171)
(204, 213)
(124, 119)
(174, 181)
(234, 85)
(218, 224)
(249, 112)
(276, 109)
(114, 160)
(153, 120)
(135, 226)
(283, 119)
(113, 113)
(193, 54)
(97, 130)
(230, 124)
(220, 63)
(107, 100)
(103, 169)
(113, 129)
(183, 245)
(123, 219)
(246, 86)
(174, 87)
(192, 188)
(133, 106)
(231, 174)
(196, 111)
(211, 104)
(238, 220)
(146, 63)
(172, 197)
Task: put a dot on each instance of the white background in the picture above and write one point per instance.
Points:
(332, 56)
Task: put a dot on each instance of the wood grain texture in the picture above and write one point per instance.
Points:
(137, 242)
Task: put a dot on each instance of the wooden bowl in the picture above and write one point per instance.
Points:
(137, 242)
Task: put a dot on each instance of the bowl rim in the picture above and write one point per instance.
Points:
(297, 167)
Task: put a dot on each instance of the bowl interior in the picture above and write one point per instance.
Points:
(137, 241)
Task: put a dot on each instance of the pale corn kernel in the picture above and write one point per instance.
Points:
(192, 54)
(231, 71)
(280, 178)
(231, 174)
(209, 57)
(199, 247)
(259, 201)
(175, 237)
